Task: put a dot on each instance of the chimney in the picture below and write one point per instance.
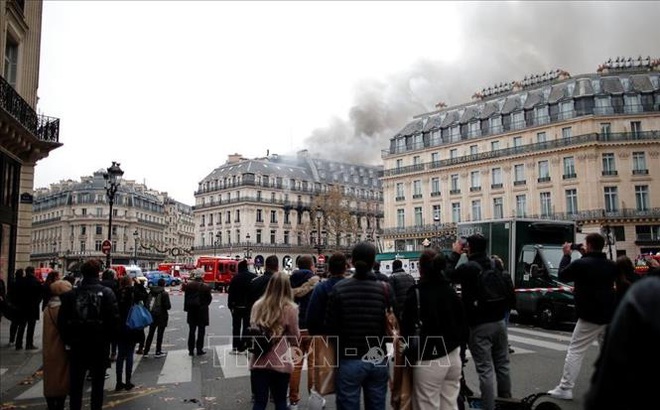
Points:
(234, 158)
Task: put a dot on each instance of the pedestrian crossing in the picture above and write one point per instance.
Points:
(178, 367)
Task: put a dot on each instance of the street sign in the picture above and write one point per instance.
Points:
(106, 247)
(321, 259)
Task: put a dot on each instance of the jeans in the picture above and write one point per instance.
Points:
(437, 382)
(353, 375)
(80, 361)
(159, 337)
(489, 345)
(55, 403)
(240, 320)
(199, 342)
(584, 334)
(29, 335)
(263, 380)
(126, 350)
(13, 328)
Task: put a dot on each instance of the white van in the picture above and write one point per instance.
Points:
(134, 271)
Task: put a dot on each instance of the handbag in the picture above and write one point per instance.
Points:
(258, 340)
(138, 317)
(325, 363)
(401, 385)
(412, 349)
(391, 322)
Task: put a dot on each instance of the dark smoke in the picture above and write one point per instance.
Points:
(502, 42)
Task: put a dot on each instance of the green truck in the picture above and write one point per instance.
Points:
(531, 250)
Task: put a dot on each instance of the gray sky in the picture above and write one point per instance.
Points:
(169, 89)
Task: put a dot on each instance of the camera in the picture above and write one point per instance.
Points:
(576, 246)
(462, 240)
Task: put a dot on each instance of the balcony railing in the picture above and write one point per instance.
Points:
(42, 127)
(533, 148)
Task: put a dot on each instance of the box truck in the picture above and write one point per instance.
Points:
(531, 250)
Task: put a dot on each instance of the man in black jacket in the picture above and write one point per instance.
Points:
(88, 339)
(400, 281)
(488, 339)
(196, 300)
(595, 301)
(28, 298)
(259, 284)
(239, 305)
(355, 314)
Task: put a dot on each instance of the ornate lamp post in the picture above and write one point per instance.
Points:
(319, 215)
(53, 262)
(135, 251)
(436, 222)
(247, 251)
(112, 181)
(216, 241)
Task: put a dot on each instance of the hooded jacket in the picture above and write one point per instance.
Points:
(303, 282)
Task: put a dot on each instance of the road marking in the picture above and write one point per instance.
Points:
(545, 335)
(3, 370)
(111, 381)
(177, 367)
(538, 343)
(233, 366)
(36, 391)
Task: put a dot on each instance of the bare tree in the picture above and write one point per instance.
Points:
(338, 219)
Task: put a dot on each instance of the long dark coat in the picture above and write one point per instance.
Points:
(198, 316)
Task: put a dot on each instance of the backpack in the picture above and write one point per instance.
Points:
(493, 288)
(87, 315)
(154, 303)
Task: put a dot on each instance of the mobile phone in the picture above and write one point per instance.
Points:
(576, 246)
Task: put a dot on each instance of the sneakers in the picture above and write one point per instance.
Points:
(120, 386)
(293, 406)
(201, 352)
(158, 355)
(561, 393)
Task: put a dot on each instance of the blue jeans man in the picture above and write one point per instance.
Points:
(354, 375)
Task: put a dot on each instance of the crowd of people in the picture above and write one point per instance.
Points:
(85, 326)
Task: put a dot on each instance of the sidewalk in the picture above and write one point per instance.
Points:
(17, 366)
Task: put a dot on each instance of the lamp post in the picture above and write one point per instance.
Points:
(112, 181)
(436, 222)
(135, 249)
(319, 215)
(248, 251)
(216, 241)
(53, 262)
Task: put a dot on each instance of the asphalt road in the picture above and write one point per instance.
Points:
(218, 380)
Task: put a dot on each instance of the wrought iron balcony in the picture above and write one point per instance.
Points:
(42, 127)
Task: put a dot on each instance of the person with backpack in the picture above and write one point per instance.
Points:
(239, 305)
(486, 298)
(400, 281)
(196, 301)
(127, 338)
(276, 314)
(88, 320)
(109, 280)
(158, 304)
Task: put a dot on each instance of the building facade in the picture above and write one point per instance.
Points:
(70, 223)
(286, 206)
(552, 146)
(25, 136)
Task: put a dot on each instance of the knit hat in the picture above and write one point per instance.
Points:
(60, 286)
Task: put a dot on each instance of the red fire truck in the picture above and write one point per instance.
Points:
(218, 270)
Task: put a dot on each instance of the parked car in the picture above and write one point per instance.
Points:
(154, 276)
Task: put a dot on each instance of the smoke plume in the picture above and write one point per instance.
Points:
(502, 42)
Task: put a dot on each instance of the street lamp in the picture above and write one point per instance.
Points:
(112, 181)
(319, 215)
(135, 239)
(53, 262)
(248, 250)
(216, 242)
(436, 222)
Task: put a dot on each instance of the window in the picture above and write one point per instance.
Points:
(273, 217)
(521, 206)
(517, 142)
(435, 186)
(498, 208)
(272, 236)
(84, 211)
(99, 230)
(228, 237)
(418, 216)
(456, 212)
(258, 238)
(569, 168)
(260, 217)
(476, 210)
(474, 150)
(571, 201)
(496, 178)
(399, 163)
(417, 189)
(639, 163)
(237, 215)
(611, 199)
(82, 246)
(99, 211)
(609, 167)
(399, 191)
(647, 233)
(544, 171)
(541, 137)
(475, 181)
(453, 153)
(83, 230)
(435, 157)
(286, 237)
(416, 160)
(546, 204)
(97, 245)
(519, 174)
(400, 218)
(642, 197)
(494, 145)
(11, 62)
(454, 184)
(636, 128)
(619, 233)
(566, 133)
(436, 213)
(605, 129)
